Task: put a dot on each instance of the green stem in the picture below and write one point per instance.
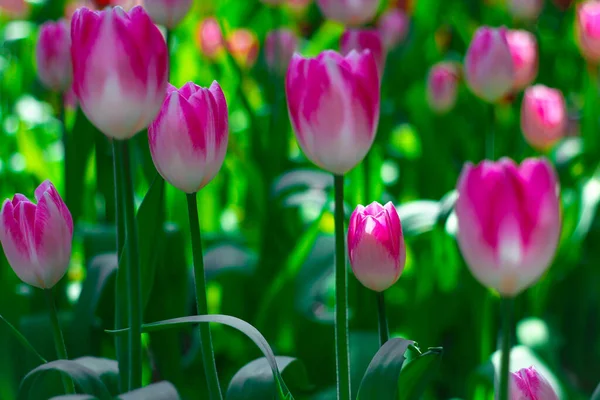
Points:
(384, 333)
(59, 341)
(491, 132)
(208, 356)
(341, 301)
(507, 322)
(64, 139)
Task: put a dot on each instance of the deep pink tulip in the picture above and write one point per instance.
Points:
(376, 245)
(37, 238)
(544, 116)
(120, 65)
(333, 102)
(489, 70)
(508, 222)
(365, 39)
(393, 26)
(349, 12)
(442, 86)
(526, 10)
(528, 384)
(280, 46)
(188, 139)
(588, 30)
(53, 55)
(524, 51)
(168, 12)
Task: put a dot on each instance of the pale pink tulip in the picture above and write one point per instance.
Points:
(543, 116)
(349, 12)
(442, 86)
(524, 51)
(588, 29)
(210, 38)
(528, 384)
(280, 46)
(167, 12)
(53, 55)
(364, 39)
(393, 25)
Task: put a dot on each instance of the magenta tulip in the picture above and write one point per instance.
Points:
(349, 12)
(120, 66)
(393, 26)
(168, 12)
(588, 30)
(489, 70)
(37, 238)
(280, 46)
(526, 10)
(376, 245)
(508, 222)
(523, 48)
(53, 56)
(442, 86)
(364, 39)
(333, 102)
(188, 139)
(528, 384)
(544, 117)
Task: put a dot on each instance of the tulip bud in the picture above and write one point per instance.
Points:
(376, 245)
(167, 12)
(188, 139)
(528, 384)
(120, 65)
(37, 238)
(393, 26)
(53, 56)
(523, 48)
(280, 46)
(489, 70)
(364, 39)
(543, 116)
(588, 30)
(243, 46)
(442, 86)
(333, 102)
(526, 10)
(210, 38)
(508, 222)
(349, 12)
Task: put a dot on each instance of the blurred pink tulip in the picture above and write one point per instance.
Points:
(14, 8)
(210, 38)
(188, 139)
(243, 46)
(280, 45)
(37, 238)
(376, 245)
(508, 222)
(53, 55)
(442, 86)
(393, 25)
(167, 12)
(588, 30)
(120, 65)
(527, 10)
(364, 39)
(523, 48)
(349, 12)
(333, 102)
(528, 384)
(544, 116)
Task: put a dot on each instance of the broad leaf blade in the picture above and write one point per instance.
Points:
(156, 391)
(418, 373)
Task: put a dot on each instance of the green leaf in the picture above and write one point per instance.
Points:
(106, 369)
(74, 397)
(23, 340)
(596, 394)
(418, 216)
(381, 378)
(156, 391)
(417, 374)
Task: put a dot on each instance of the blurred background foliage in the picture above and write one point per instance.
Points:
(267, 221)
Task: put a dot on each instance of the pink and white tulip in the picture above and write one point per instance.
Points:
(120, 65)
(524, 52)
(376, 245)
(280, 46)
(489, 70)
(528, 384)
(167, 12)
(544, 116)
(53, 55)
(508, 222)
(36, 238)
(188, 139)
(588, 30)
(333, 102)
(442, 86)
(393, 26)
(526, 10)
(349, 12)
(365, 39)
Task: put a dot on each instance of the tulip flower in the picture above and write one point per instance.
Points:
(333, 102)
(527, 10)
(442, 86)
(14, 8)
(489, 70)
(349, 12)
(393, 26)
(53, 55)
(167, 12)
(120, 65)
(188, 139)
(376, 246)
(36, 238)
(508, 222)
(543, 116)
(280, 46)
(210, 38)
(524, 52)
(243, 46)
(528, 384)
(364, 39)
(588, 30)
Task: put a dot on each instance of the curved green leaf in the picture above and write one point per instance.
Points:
(418, 216)
(156, 391)
(23, 339)
(106, 369)
(74, 397)
(417, 374)
(596, 394)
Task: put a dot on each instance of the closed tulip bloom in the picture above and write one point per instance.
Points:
(188, 139)
(523, 48)
(588, 30)
(442, 86)
(544, 116)
(53, 55)
(210, 38)
(120, 66)
(508, 222)
(393, 26)
(364, 39)
(280, 45)
(525, 9)
(243, 46)
(528, 384)
(489, 69)
(167, 12)
(349, 12)
(36, 238)
(333, 102)
(376, 245)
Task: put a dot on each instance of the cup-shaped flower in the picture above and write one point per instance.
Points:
(393, 26)
(588, 30)
(280, 46)
(442, 86)
(36, 238)
(489, 70)
(167, 12)
(188, 139)
(210, 38)
(333, 102)
(349, 12)
(243, 46)
(508, 222)
(120, 66)
(528, 384)
(376, 245)
(365, 39)
(524, 51)
(544, 117)
(53, 55)
(526, 10)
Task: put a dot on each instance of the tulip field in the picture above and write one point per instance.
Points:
(299, 199)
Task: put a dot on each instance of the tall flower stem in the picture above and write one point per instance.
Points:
(59, 341)
(384, 333)
(208, 356)
(342, 348)
(64, 138)
(507, 304)
(490, 139)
